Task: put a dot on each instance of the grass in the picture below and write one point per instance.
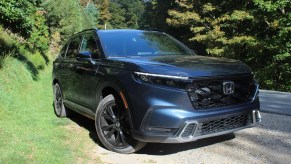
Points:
(29, 130)
(15, 46)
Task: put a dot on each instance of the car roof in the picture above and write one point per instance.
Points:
(120, 30)
(115, 30)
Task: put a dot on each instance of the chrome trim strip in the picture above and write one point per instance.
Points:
(192, 133)
(164, 76)
(257, 92)
(79, 108)
(254, 117)
(259, 116)
(256, 114)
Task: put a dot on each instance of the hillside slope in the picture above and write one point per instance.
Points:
(29, 130)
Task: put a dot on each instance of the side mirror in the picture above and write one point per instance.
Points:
(84, 56)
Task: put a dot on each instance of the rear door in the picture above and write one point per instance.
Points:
(61, 72)
(68, 80)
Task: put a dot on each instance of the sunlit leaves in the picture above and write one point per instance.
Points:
(27, 19)
(257, 32)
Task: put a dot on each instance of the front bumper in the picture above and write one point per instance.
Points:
(164, 114)
(192, 130)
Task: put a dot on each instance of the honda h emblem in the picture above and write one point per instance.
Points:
(228, 87)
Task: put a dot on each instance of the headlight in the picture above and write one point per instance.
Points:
(165, 80)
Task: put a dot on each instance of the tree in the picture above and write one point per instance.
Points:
(69, 17)
(27, 19)
(155, 14)
(126, 13)
(117, 20)
(104, 13)
(257, 32)
(92, 13)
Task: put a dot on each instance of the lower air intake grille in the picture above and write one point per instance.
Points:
(224, 124)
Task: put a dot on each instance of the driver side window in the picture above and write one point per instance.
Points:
(89, 44)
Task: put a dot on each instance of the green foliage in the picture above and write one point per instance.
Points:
(126, 13)
(104, 13)
(15, 46)
(55, 43)
(18, 15)
(92, 13)
(68, 17)
(117, 14)
(133, 12)
(25, 18)
(256, 32)
(39, 37)
(155, 14)
(65, 18)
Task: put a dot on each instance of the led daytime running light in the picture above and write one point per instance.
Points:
(163, 76)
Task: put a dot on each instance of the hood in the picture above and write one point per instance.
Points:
(189, 66)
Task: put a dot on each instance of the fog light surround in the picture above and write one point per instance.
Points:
(257, 116)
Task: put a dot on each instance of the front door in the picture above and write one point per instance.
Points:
(85, 73)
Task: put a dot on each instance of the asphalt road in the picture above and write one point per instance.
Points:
(275, 102)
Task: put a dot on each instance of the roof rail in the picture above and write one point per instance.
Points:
(89, 29)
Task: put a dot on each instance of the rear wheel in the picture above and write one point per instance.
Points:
(59, 107)
(112, 126)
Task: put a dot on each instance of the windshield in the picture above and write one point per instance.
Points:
(140, 43)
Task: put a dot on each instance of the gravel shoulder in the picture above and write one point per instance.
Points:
(269, 142)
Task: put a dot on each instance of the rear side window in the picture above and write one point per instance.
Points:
(73, 49)
(89, 44)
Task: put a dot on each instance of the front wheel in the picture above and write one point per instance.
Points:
(112, 126)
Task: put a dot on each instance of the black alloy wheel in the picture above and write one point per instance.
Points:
(112, 126)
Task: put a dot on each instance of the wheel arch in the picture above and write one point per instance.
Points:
(115, 87)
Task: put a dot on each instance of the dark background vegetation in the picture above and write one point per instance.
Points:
(254, 31)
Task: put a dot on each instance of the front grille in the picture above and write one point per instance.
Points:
(205, 94)
(224, 124)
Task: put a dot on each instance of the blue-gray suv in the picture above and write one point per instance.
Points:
(146, 86)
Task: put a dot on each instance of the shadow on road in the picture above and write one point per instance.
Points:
(166, 149)
(150, 148)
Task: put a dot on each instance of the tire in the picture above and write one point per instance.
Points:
(59, 107)
(111, 122)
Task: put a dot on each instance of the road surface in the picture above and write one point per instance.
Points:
(275, 102)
